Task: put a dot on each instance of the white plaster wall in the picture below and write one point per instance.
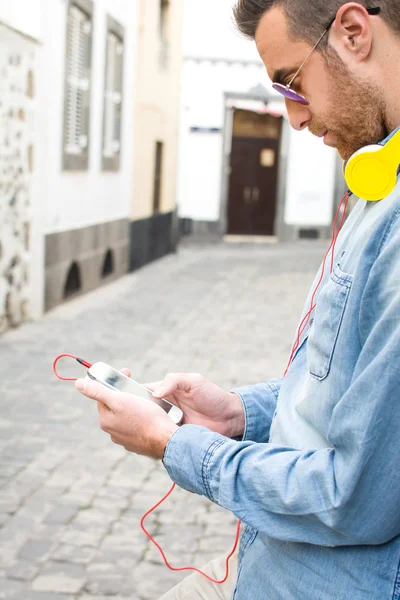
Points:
(209, 30)
(22, 15)
(310, 181)
(78, 199)
(199, 188)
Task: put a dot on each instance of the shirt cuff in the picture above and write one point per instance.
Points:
(259, 403)
(188, 456)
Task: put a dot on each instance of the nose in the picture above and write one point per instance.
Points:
(299, 114)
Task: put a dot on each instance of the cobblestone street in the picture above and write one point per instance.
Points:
(70, 500)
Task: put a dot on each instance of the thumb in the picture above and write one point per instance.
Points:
(172, 383)
(98, 392)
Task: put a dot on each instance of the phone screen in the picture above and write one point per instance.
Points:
(113, 379)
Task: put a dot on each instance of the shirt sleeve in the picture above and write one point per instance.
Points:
(345, 495)
(259, 403)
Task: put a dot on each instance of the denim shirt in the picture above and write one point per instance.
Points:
(316, 478)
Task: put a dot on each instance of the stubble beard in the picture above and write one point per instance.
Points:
(356, 112)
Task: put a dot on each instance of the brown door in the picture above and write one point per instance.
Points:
(253, 186)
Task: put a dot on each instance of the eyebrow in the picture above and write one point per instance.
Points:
(280, 74)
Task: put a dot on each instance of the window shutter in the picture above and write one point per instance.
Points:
(113, 101)
(77, 105)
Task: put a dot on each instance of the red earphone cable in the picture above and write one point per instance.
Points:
(335, 234)
(79, 360)
(219, 582)
(153, 541)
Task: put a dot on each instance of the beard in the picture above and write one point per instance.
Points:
(356, 114)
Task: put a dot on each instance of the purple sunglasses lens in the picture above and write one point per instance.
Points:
(289, 94)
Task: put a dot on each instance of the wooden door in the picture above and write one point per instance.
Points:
(253, 186)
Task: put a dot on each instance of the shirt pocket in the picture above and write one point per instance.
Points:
(327, 322)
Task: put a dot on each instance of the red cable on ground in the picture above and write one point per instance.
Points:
(187, 568)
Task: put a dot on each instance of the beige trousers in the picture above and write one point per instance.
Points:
(197, 587)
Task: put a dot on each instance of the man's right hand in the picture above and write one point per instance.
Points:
(202, 402)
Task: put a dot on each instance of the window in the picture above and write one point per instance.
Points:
(77, 85)
(164, 10)
(73, 283)
(108, 264)
(164, 17)
(158, 177)
(113, 96)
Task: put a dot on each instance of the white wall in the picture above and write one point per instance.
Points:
(310, 181)
(23, 15)
(78, 199)
(210, 31)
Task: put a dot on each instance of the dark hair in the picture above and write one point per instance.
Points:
(306, 18)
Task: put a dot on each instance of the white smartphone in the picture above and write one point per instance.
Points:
(117, 381)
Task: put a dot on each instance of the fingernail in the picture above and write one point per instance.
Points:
(80, 384)
(157, 393)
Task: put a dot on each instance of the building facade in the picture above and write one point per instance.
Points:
(157, 105)
(19, 256)
(87, 146)
(89, 108)
(243, 170)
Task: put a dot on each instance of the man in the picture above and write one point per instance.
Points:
(309, 463)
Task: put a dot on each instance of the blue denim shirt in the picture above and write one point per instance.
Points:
(316, 478)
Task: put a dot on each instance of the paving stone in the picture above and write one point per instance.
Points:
(78, 537)
(74, 554)
(9, 587)
(23, 570)
(61, 515)
(4, 517)
(84, 596)
(104, 579)
(37, 550)
(60, 577)
(31, 595)
(80, 501)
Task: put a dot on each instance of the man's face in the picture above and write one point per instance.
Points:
(346, 111)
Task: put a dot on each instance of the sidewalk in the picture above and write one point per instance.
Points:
(70, 500)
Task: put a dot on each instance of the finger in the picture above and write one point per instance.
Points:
(101, 408)
(97, 391)
(105, 417)
(153, 386)
(116, 440)
(172, 383)
(126, 372)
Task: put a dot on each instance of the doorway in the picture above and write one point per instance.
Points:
(254, 168)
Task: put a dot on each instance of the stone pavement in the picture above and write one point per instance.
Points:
(70, 500)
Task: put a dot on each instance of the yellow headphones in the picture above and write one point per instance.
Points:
(371, 173)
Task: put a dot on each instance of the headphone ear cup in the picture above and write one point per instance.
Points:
(370, 173)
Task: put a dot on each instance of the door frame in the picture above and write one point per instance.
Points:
(255, 102)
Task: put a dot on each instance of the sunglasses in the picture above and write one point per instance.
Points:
(286, 90)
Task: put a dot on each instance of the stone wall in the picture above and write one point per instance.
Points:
(17, 70)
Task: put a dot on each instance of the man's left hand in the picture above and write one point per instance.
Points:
(139, 425)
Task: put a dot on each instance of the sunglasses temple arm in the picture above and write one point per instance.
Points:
(306, 59)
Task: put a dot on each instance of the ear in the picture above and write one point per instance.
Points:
(352, 32)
